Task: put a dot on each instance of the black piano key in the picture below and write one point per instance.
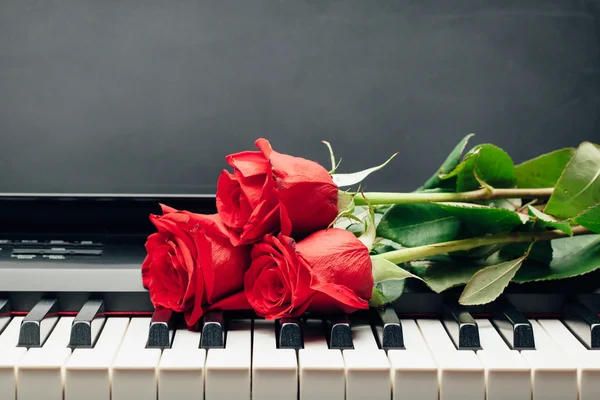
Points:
(4, 313)
(160, 331)
(515, 329)
(213, 331)
(339, 335)
(583, 323)
(87, 324)
(38, 323)
(289, 333)
(461, 327)
(389, 329)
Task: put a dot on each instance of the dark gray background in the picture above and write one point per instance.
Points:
(149, 95)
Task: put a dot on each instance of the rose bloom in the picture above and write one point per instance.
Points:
(329, 271)
(191, 264)
(250, 198)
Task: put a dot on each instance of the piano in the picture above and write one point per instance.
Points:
(76, 323)
(108, 108)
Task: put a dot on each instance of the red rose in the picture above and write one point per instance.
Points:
(329, 271)
(191, 263)
(249, 200)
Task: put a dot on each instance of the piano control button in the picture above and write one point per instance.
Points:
(87, 372)
(553, 374)
(389, 329)
(462, 327)
(588, 361)
(39, 373)
(58, 251)
(502, 365)
(274, 371)
(181, 368)
(213, 331)
(458, 369)
(160, 331)
(134, 367)
(339, 334)
(321, 370)
(87, 324)
(228, 370)
(583, 322)
(513, 326)
(367, 367)
(289, 333)
(38, 323)
(4, 313)
(10, 356)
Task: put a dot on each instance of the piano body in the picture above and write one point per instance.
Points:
(109, 108)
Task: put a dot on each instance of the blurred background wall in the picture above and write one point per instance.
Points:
(150, 95)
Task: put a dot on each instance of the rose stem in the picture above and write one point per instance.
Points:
(413, 253)
(424, 197)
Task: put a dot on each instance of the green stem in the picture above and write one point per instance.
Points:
(374, 198)
(414, 253)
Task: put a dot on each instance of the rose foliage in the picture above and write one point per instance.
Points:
(290, 237)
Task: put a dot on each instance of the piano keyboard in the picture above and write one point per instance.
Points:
(381, 356)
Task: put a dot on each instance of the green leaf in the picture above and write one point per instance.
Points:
(414, 225)
(369, 234)
(448, 165)
(345, 202)
(342, 180)
(482, 220)
(484, 165)
(489, 283)
(590, 218)
(546, 221)
(334, 165)
(441, 276)
(541, 251)
(509, 204)
(384, 270)
(388, 291)
(384, 245)
(377, 298)
(573, 256)
(579, 185)
(543, 171)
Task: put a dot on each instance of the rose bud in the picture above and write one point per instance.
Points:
(329, 271)
(191, 263)
(249, 199)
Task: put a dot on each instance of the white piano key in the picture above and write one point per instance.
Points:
(413, 339)
(87, 372)
(274, 371)
(4, 321)
(588, 361)
(461, 375)
(367, 367)
(134, 368)
(507, 374)
(554, 375)
(39, 372)
(414, 372)
(228, 370)
(321, 369)
(10, 356)
(181, 368)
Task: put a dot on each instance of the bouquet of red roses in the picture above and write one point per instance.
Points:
(287, 240)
